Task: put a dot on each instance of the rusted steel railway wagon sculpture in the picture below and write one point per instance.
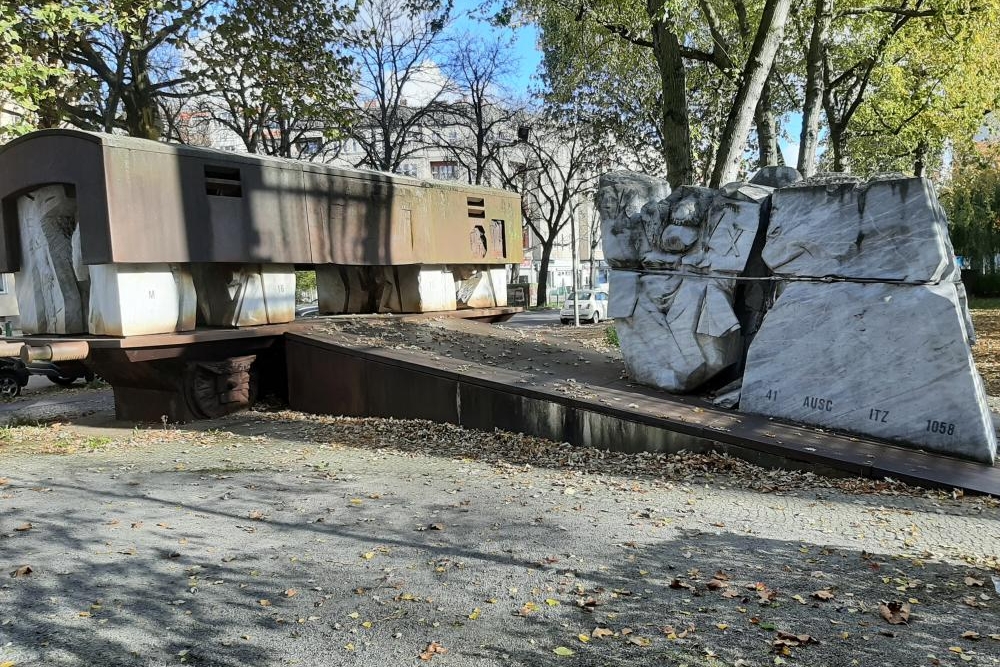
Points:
(177, 264)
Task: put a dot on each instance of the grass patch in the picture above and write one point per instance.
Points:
(611, 336)
(984, 303)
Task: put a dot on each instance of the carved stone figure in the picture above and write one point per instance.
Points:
(679, 330)
(621, 196)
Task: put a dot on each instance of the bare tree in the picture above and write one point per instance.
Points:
(396, 44)
(275, 73)
(123, 60)
(556, 172)
(484, 121)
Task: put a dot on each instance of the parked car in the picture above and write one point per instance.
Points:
(13, 376)
(63, 373)
(307, 309)
(593, 306)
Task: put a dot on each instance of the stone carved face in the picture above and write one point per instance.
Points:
(622, 201)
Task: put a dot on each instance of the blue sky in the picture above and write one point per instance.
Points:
(524, 45)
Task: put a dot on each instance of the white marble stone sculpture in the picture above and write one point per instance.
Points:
(138, 299)
(49, 296)
(891, 230)
(682, 331)
(238, 295)
(480, 286)
(883, 350)
(776, 176)
(621, 196)
(678, 329)
(886, 360)
(891, 355)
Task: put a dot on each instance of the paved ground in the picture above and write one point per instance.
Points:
(42, 400)
(280, 539)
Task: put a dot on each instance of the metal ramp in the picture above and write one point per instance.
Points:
(328, 375)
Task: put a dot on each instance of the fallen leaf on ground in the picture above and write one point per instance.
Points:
(677, 583)
(256, 515)
(264, 603)
(563, 651)
(291, 592)
(601, 633)
(786, 640)
(583, 638)
(895, 613)
(716, 584)
(432, 649)
(972, 581)
(764, 594)
(24, 526)
(436, 526)
(527, 608)
(971, 634)
(7, 663)
(22, 571)
(551, 602)
(823, 595)
(475, 614)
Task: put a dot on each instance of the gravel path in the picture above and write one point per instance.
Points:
(281, 539)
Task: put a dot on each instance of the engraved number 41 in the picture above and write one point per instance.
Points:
(772, 395)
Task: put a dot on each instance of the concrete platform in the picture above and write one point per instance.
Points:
(329, 373)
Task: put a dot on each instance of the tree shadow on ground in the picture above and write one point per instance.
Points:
(288, 567)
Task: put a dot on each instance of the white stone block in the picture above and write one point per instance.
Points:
(139, 299)
(341, 289)
(239, 295)
(890, 361)
(883, 230)
(623, 291)
(49, 297)
(682, 332)
(733, 221)
(480, 286)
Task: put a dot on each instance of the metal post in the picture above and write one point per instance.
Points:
(575, 254)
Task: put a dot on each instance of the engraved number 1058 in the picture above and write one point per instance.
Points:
(943, 428)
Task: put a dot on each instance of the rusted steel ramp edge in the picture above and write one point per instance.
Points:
(326, 376)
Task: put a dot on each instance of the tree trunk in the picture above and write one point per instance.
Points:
(837, 146)
(767, 137)
(752, 80)
(543, 272)
(673, 78)
(809, 138)
(920, 159)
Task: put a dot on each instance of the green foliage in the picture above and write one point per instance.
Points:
(935, 80)
(972, 201)
(276, 70)
(30, 67)
(305, 284)
(611, 336)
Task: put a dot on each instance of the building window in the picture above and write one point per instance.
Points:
(407, 169)
(310, 147)
(444, 171)
(3, 283)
